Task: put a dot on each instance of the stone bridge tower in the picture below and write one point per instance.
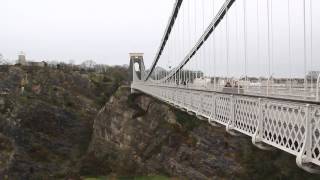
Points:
(136, 68)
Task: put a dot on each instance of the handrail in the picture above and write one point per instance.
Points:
(311, 102)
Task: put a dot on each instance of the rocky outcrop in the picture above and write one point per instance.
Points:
(152, 140)
(138, 135)
(7, 152)
(42, 141)
(45, 131)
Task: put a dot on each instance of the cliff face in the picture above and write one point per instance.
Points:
(152, 140)
(138, 135)
(45, 131)
(7, 151)
(47, 128)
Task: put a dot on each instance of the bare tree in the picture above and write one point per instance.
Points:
(101, 68)
(1, 58)
(53, 63)
(89, 64)
(3, 61)
(71, 62)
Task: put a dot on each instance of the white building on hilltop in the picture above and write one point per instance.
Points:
(23, 61)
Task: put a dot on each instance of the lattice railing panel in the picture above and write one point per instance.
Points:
(246, 114)
(195, 99)
(188, 100)
(284, 125)
(179, 96)
(206, 104)
(223, 108)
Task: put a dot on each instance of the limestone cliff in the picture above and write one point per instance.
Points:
(45, 129)
(138, 135)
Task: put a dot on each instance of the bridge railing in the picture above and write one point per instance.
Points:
(288, 125)
(275, 90)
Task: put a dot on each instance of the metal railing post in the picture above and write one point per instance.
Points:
(231, 121)
(308, 132)
(268, 81)
(213, 106)
(258, 135)
(304, 157)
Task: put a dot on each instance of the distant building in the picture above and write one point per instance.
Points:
(203, 81)
(23, 61)
(313, 75)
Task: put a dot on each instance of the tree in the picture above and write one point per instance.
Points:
(89, 64)
(3, 61)
(100, 68)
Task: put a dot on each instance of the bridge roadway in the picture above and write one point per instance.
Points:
(289, 125)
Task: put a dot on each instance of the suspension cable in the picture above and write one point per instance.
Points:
(258, 41)
(214, 50)
(221, 48)
(172, 57)
(169, 56)
(311, 42)
(289, 43)
(269, 47)
(209, 62)
(245, 39)
(183, 43)
(175, 53)
(227, 43)
(237, 36)
(179, 47)
(305, 48)
(189, 31)
(195, 33)
(203, 48)
(272, 45)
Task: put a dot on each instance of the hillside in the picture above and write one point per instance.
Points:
(68, 124)
(45, 129)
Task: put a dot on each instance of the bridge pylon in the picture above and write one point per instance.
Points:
(136, 68)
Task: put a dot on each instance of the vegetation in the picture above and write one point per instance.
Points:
(54, 117)
(186, 121)
(270, 165)
(51, 118)
(129, 178)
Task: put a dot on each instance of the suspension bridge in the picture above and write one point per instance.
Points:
(250, 66)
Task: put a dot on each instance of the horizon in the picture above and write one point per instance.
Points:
(81, 30)
(106, 32)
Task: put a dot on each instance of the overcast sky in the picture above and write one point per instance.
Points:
(103, 30)
(107, 30)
